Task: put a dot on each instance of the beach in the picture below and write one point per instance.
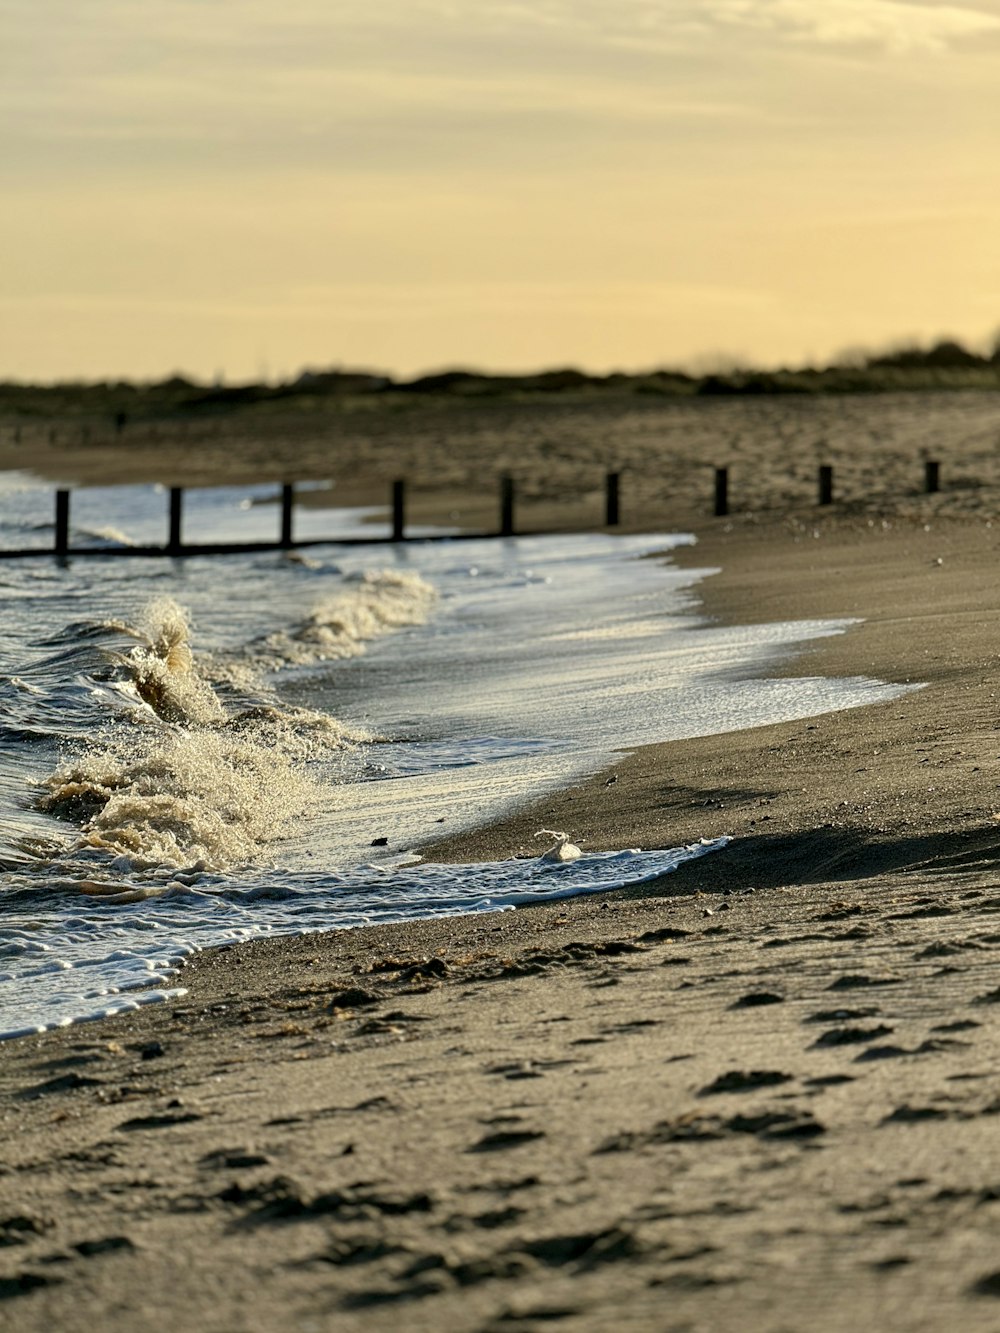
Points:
(452, 451)
(758, 1093)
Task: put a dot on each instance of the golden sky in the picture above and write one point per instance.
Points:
(245, 187)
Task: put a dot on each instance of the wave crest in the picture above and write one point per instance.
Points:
(373, 604)
(190, 797)
(196, 783)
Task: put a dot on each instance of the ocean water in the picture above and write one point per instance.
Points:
(203, 750)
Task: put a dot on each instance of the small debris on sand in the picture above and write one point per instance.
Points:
(561, 850)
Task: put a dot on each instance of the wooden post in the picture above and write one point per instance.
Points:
(825, 484)
(62, 522)
(611, 500)
(287, 500)
(176, 512)
(398, 510)
(506, 506)
(932, 475)
(721, 492)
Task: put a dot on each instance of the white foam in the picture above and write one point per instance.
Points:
(373, 603)
(91, 967)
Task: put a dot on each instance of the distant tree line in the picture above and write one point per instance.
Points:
(944, 363)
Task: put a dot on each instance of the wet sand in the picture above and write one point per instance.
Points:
(760, 1093)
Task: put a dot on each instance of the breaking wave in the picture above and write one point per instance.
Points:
(197, 799)
(372, 604)
(193, 763)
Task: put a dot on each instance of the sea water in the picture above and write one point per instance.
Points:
(209, 749)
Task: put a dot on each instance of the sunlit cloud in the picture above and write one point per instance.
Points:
(522, 180)
(177, 70)
(893, 24)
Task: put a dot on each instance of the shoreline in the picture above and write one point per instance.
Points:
(897, 583)
(599, 1108)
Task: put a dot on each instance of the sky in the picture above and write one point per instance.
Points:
(244, 189)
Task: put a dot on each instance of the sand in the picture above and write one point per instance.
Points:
(558, 449)
(760, 1093)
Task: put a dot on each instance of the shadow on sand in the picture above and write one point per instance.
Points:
(830, 855)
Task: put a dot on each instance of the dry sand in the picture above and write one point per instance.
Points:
(558, 449)
(758, 1094)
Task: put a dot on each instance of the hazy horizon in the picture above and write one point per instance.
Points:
(224, 187)
(698, 367)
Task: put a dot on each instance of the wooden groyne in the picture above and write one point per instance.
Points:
(285, 540)
(825, 493)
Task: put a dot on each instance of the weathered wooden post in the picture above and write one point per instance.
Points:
(287, 500)
(721, 492)
(825, 484)
(611, 500)
(932, 475)
(176, 513)
(62, 522)
(398, 510)
(506, 506)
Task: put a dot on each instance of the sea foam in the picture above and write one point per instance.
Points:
(183, 780)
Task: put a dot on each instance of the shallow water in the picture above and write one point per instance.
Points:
(211, 749)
